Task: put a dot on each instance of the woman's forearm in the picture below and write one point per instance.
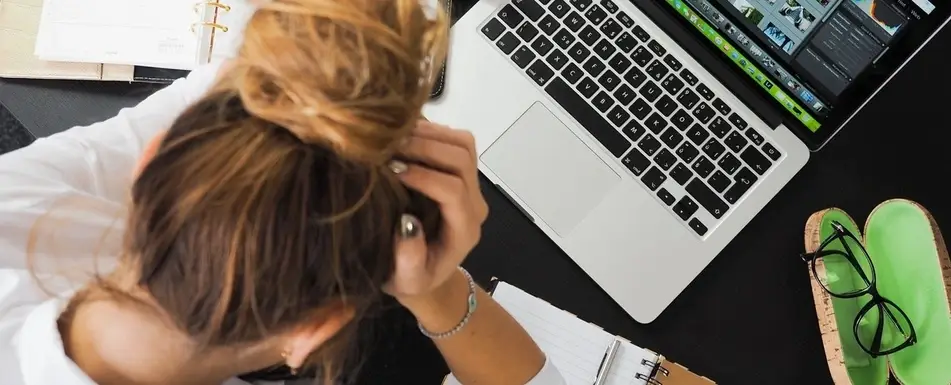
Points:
(491, 349)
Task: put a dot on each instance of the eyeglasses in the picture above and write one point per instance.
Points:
(880, 327)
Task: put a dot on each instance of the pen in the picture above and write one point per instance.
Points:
(606, 362)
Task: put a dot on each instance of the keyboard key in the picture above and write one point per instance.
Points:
(604, 49)
(673, 63)
(672, 84)
(493, 29)
(540, 72)
(755, 137)
(530, 8)
(704, 91)
(625, 19)
(574, 21)
(771, 151)
(507, 43)
(665, 196)
(657, 48)
(703, 112)
(579, 52)
(544, 1)
(634, 130)
(609, 80)
(656, 123)
(685, 208)
(719, 127)
(671, 137)
(755, 159)
(626, 42)
(587, 87)
(549, 24)
(564, 38)
(641, 34)
(642, 56)
(624, 94)
(719, 181)
(581, 5)
(649, 145)
(542, 45)
(707, 198)
(735, 141)
(590, 119)
(657, 70)
(596, 15)
(559, 8)
(654, 178)
(635, 77)
(523, 57)
(589, 35)
(611, 29)
(681, 174)
(687, 152)
(640, 108)
(713, 149)
(729, 164)
(665, 159)
(689, 77)
(651, 91)
(527, 32)
(698, 227)
(557, 60)
(572, 73)
(619, 63)
(666, 105)
(697, 134)
(681, 119)
(721, 106)
(593, 66)
(636, 162)
(688, 99)
(741, 184)
(603, 101)
(510, 16)
(737, 121)
(703, 166)
(618, 116)
(609, 6)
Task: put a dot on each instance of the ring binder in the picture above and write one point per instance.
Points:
(217, 26)
(649, 380)
(215, 4)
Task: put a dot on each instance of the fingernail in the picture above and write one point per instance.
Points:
(398, 167)
(409, 226)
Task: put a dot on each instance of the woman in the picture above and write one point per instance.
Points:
(273, 204)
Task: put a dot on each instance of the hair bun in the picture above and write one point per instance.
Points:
(352, 75)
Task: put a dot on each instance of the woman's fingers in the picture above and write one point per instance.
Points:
(440, 155)
(448, 135)
(447, 190)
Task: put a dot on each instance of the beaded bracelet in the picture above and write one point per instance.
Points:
(471, 303)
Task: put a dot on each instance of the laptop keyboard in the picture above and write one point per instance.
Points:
(682, 142)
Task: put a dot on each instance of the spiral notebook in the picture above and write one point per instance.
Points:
(123, 40)
(577, 347)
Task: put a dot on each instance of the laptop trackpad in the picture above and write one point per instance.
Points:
(550, 169)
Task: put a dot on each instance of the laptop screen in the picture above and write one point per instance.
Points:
(810, 56)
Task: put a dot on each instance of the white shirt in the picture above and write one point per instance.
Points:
(70, 189)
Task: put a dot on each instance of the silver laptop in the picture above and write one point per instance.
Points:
(640, 161)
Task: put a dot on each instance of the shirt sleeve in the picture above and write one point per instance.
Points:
(549, 375)
(69, 190)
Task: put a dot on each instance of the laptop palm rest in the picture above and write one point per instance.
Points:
(550, 169)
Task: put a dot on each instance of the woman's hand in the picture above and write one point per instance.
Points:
(443, 166)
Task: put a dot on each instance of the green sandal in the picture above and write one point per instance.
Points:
(909, 257)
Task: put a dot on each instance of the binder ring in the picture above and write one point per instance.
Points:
(649, 380)
(215, 4)
(656, 367)
(209, 24)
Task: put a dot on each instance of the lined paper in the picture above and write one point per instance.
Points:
(133, 32)
(573, 345)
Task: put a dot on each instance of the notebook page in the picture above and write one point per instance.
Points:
(19, 21)
(573, 345)
(135, 32)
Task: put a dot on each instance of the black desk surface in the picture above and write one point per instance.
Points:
(748, 318)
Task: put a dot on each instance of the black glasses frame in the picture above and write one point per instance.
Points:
(877, 301)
